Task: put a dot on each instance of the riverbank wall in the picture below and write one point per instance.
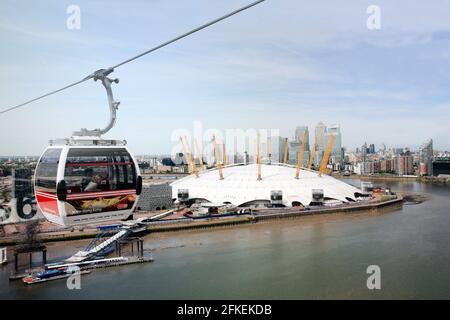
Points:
(433, 180)
(258, 216)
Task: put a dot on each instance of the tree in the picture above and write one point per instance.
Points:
(5, 195)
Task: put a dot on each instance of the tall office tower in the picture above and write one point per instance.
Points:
(364, 152)
(299, 133)
(426, 158)
(246, 158)
(320, 132)
(363, 157)
(372, 148)
(320, 138)
(343, 155)
(294, 150)
(236, 158)
(277, 149)
(335, 130)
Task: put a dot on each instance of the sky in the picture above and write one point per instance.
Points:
(280, 64)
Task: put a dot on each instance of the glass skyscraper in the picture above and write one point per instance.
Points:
(336, 150)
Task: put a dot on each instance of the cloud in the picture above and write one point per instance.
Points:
(373, 95)
(396, 39)
(281, 64)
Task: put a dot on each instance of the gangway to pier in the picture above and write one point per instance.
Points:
(101, 237)
(92, 252)
(123, 231)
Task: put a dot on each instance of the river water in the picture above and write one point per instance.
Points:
(304, 258)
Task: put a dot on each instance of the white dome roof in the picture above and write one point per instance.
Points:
(240, 185)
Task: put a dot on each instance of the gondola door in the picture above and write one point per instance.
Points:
(45, 183)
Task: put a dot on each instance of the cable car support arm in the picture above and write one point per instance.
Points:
(102, 75)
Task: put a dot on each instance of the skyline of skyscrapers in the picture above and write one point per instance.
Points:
(321, 138)
(366, 160)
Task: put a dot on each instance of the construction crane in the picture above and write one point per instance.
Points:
(300, 156)
(216, 155)
(200, 156)
(311, 157)
(326, 156)
(285, 159)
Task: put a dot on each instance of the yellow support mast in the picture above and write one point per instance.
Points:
(311, 157)
(285, 159)
(186, 155)
(300, 157)
(216, 154)
(191, 156)
(326, 156)
(200, 156)
(224, 154)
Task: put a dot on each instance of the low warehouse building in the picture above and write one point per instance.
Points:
(277, 186)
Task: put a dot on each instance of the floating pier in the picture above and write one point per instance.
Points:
(33, 279)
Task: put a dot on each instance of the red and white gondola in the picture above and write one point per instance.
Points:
(87, 179)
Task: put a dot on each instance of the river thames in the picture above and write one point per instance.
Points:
(317, 257)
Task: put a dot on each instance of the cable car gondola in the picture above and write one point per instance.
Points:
(87, 179)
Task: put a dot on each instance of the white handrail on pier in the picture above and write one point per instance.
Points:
(83, 255)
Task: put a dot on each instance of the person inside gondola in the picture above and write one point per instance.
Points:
(94, 184)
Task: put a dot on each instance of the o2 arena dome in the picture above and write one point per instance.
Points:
(240, 186)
